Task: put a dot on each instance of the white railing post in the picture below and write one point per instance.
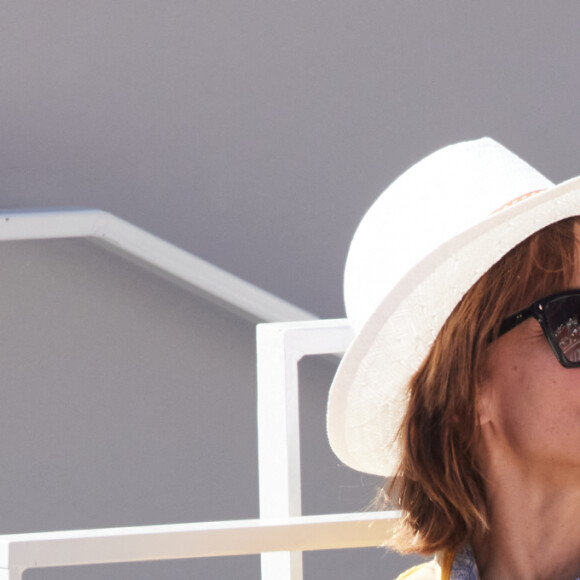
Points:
(280, 346)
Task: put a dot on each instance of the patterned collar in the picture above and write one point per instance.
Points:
(464, 566)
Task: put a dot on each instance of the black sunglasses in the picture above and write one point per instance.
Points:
(559, 316)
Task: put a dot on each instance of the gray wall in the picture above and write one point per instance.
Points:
(254, 134)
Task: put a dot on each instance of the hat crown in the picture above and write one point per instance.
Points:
(435, 200)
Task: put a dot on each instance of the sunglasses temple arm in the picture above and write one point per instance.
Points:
(515, 319)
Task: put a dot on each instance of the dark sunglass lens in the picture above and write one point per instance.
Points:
(563, 316)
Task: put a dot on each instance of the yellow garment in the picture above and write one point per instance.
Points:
(441, 567)
(407, 573)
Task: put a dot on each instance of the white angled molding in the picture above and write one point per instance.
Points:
(229, 538)
(137, 243)
(282, 533)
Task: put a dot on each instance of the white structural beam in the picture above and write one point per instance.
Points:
(280, 346)
(135, 242)
(146, 543)
(280, 531)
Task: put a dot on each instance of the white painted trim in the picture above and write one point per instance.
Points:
(280, 346)
(154, 251)
(147, 543)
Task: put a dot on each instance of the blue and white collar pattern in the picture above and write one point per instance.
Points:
(464, 566)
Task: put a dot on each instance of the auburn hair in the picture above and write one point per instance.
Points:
(438, 485)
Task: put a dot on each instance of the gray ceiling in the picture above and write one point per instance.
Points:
(255, 134)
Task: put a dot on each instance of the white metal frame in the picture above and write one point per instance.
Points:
(147, 543)
(281, 533)
(136, 243)
(280, 346)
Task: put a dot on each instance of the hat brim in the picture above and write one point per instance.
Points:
(368, 396)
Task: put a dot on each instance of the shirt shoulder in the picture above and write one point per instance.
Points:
(425, 571)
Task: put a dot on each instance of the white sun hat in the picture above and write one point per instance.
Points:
(425, 241)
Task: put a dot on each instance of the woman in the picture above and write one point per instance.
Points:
(462, 385)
